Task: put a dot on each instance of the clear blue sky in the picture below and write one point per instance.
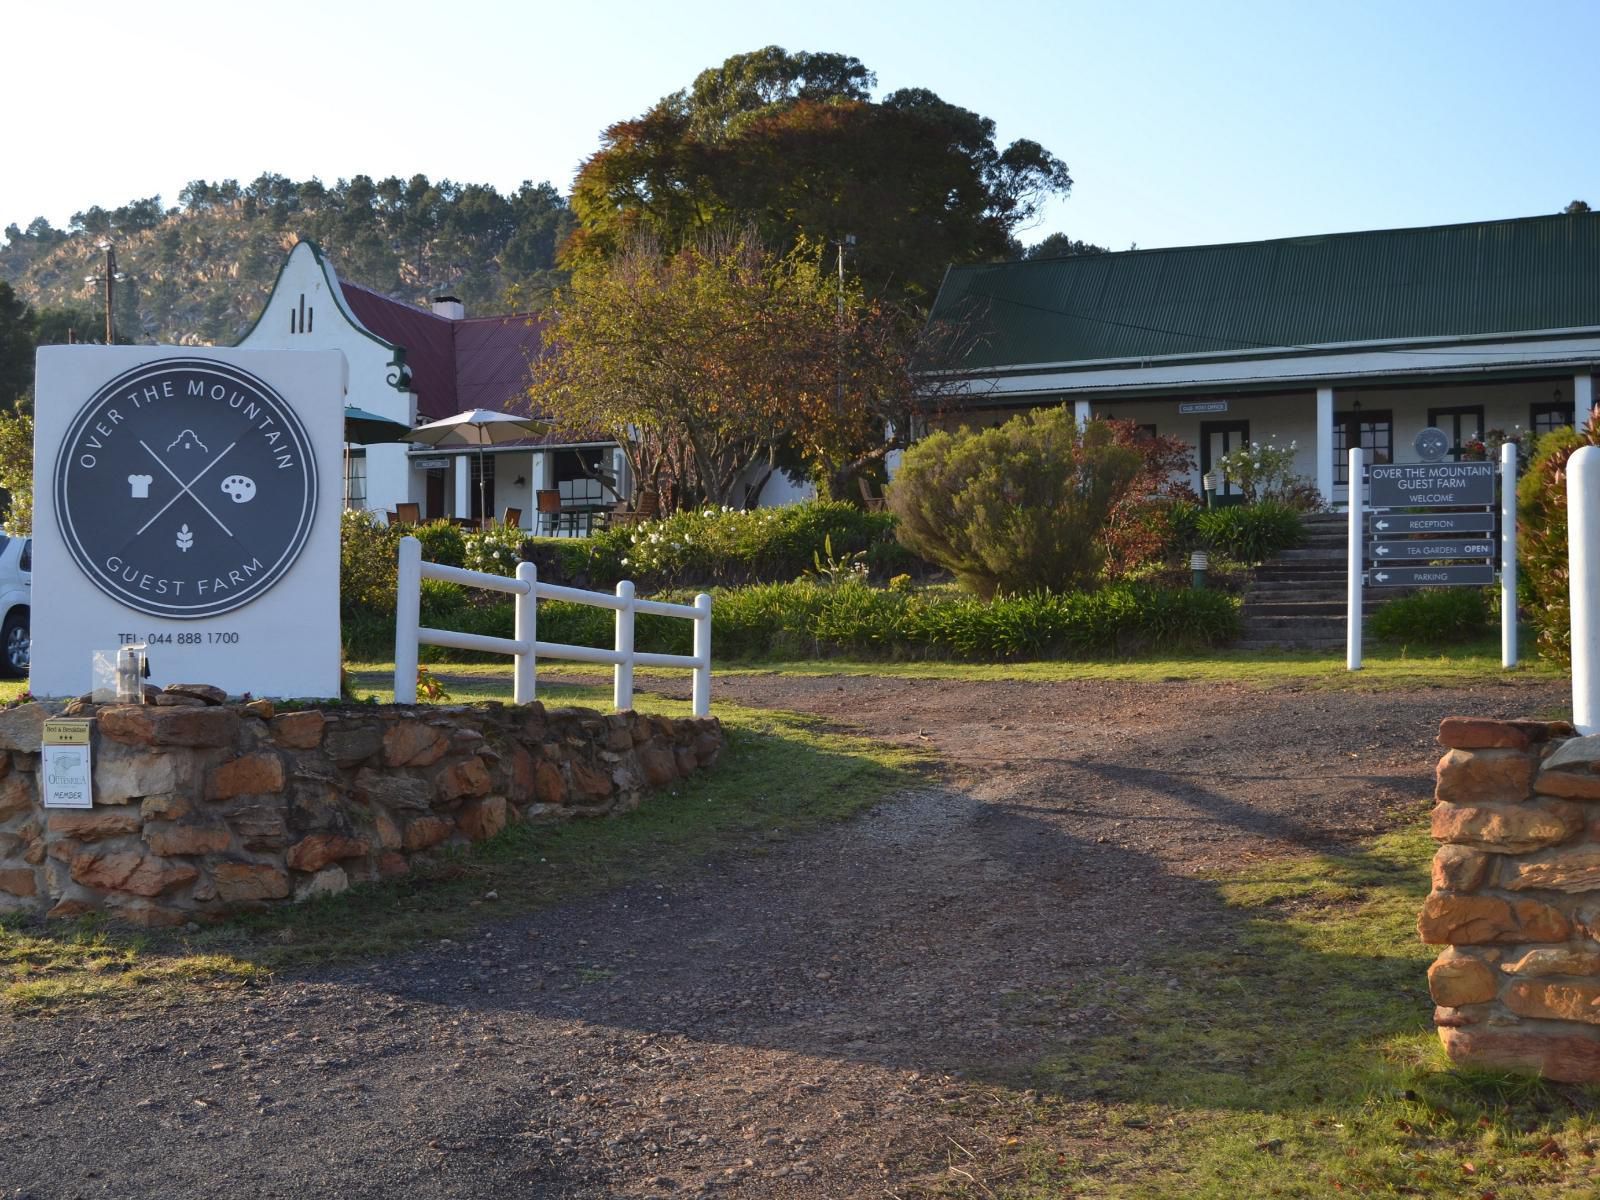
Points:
(1182, 122)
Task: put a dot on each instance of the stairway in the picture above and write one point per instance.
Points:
(1297, 600)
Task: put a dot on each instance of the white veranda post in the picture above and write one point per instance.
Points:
(1324, 444)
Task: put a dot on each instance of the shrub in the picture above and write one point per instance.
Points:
(726, 547)
(1139, 530)
(1249, 533)
(495, 551)
(1262, 472)
(1434, 617)
(368, 552)
(1021, 507)
(1542, 537)
(442, 542)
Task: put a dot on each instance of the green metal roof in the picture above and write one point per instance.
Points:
(1489, 277)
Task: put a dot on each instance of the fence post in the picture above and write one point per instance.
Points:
(1356, 555)
(525, 631)
(702, 655)
(1583, 576)
(1508, 555)
(622, 673)
(407, 617)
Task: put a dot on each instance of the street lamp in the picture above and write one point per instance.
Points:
(111, 278)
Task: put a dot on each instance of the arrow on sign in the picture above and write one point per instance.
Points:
(1382, 577)
(1381, 525)
(1380, 550)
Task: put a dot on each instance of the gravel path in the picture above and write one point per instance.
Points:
(800, 1023)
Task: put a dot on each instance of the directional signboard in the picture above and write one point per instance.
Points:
(1427, 485)
(1461, 573)
(1434, 523)
(1427, 551)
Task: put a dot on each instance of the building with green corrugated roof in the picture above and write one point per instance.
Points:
(1328, 342)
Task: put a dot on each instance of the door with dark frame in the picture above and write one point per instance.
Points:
(1216, 439)
(1461, 424)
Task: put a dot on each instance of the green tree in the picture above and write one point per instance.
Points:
(708, 364)
(16, 471)
(18, 336)
(1017, 508)
(794, 144)
(1059, 245)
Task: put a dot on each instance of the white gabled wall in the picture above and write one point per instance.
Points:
(306, 311)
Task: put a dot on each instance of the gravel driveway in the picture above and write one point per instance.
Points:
(799, 1023)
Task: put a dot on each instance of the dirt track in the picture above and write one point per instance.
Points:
(795, 1024)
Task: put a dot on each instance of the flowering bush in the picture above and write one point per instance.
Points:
(1260, 472)
(495, 551)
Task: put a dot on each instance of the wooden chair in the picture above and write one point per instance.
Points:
(512, 518)
(547, 503)
(872, 503)
(407, 514)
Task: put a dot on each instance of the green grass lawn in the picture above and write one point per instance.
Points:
(1383, 667)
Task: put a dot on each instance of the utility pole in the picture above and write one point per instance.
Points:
(111, 278)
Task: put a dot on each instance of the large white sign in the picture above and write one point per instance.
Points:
(188, 499)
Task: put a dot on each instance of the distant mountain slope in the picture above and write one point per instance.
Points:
(200, 273)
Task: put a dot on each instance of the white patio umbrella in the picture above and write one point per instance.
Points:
(478, 427)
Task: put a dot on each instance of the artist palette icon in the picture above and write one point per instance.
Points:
(241, 489)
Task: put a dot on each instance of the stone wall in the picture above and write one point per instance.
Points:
(1516, 898)
(204, 807)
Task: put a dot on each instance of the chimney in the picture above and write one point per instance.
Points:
(448, 307)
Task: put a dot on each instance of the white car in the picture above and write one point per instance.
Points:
(16, 592)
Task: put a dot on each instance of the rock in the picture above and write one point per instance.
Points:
(1569, 869)
(386, 831)
(1556, 960)
(1507, 828)
(392, 864)
(169, 838)
(1573, 1000)
(130, 871)
(241, 881)
(170, 807)
(549, 785)
(316, 851)
(687, 762)
(124, 773)
(658, 764)
(467, 778)
(18, 881)
(22, 727)
(144, 914)
(1474, 920)
(1478, 776)
(178, 700)
(425, 832)
(707, 747)
(329, 881)
(16, 795)
(351, 746)
(298, 730)
(413, 744)
(135, 724)
(69, 907)
(1569, 785)
(202, 692)
(1565, 1057)
(256, 774)
(481, 819)
(589, 785)
(407, 792)
(1455, 979)
(92, 824)
(1476, 733)
(1576, 752)
(265, 709)
(259, 826)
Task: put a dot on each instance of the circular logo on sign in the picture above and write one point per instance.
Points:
(185, 488)
(1431, 444)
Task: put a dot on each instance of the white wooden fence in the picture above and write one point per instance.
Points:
(409, 632)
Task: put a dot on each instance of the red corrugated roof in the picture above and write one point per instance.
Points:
(429, 344)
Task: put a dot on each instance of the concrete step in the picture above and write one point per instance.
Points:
(1332, 645)
(1316, 554)
(1317, 624)
(1301, 608)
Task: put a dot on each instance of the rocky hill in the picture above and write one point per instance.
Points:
(200, 272)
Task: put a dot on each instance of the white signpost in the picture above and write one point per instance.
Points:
(1583, 582)
(1401, 558)
(188, 499)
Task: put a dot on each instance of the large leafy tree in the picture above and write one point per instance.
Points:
(714, 364)
(795, 145)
